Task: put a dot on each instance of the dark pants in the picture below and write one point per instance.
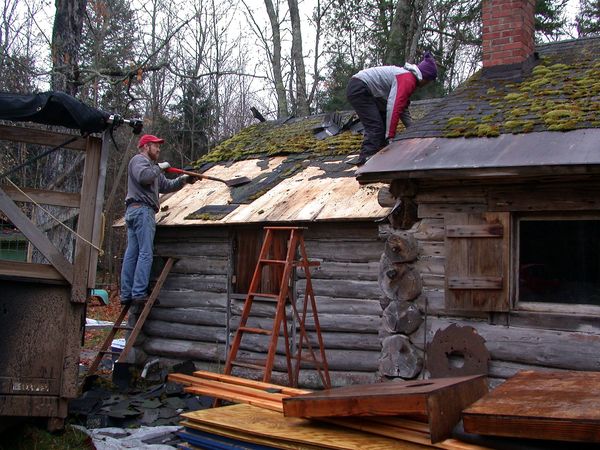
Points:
(370, 114)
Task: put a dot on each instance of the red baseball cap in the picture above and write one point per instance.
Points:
(148, 138)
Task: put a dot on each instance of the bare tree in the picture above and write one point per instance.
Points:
(301, 106)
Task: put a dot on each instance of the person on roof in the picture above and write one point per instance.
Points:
(381, 95)
(145, 180)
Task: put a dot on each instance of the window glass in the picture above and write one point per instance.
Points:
(559, 261)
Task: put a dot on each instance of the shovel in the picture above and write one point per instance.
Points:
(231, 183)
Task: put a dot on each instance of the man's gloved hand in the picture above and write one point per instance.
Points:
(189, 179)
(164, 165)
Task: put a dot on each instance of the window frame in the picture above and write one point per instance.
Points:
(544, 307)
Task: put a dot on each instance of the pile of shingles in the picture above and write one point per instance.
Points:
(353, 417)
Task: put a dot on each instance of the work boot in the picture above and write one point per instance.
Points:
(125, 301)
(139, 300)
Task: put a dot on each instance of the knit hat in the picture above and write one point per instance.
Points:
(148, 138)
(427, 67)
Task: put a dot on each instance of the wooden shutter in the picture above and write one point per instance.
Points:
(477, 261)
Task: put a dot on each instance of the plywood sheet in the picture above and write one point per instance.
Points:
(540, 405)
(318, 191)
(247, 423)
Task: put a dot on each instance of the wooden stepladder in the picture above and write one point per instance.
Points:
(295, 245)
(135, 331)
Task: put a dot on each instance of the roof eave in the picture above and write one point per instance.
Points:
(543, 153)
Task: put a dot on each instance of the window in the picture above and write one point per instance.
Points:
(559, 261)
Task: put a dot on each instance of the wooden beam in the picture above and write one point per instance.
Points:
(35, 236)
(98, 218)
(43, 196)
(39, 137)
(85, 223)
(30, 271)
(475, 283)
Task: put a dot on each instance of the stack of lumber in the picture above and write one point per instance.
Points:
(259, 420)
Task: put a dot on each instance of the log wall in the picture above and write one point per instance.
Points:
(198, 311)
(548, 338)
(190, 320)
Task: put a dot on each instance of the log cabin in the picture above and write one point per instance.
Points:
(497, 214)
(300, 176)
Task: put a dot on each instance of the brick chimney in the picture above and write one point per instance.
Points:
(508, 28)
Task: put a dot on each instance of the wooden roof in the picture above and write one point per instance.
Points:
(296, 177)
(507, 119)
(283, 189)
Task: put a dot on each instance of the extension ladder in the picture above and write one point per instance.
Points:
(135, 330)
(295, 242)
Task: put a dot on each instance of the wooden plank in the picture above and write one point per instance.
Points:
(99, 223)
(250, 383)
(30, 271)
(253, 422)
(36, 237)
(563, 406)
(43, 196)
(474, 283)
(85, 221)
(481, 231)
(40, 137)
(234, 397)
(244, 437)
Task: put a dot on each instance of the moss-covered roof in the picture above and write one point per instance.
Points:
(560, 93)
(295, 136)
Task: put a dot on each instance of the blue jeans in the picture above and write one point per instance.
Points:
(137, 262)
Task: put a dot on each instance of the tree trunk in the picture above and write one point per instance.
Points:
(66, 40)
(64, 164)
(282, 107)
(302, 108)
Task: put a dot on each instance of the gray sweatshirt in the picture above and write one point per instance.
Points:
(145, 181)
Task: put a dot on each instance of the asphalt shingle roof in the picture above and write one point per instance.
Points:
(561, 93)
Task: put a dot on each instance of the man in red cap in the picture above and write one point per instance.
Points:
(145, 180)
(380, 96)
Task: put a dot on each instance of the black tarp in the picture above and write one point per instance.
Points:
(52, 108)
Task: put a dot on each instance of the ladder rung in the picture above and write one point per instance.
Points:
(259, 296)
(122, 327)
(248, 365)
(273, 261)
(255, 330)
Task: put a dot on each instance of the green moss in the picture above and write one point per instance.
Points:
(491, 91)
(517, 112)
(258, 194)
(519, 126)
(203, 216)
(515, 97)
(559, 67)
(457, 120)
(541, 71)
(487, 130)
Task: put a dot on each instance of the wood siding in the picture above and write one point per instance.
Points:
(518, 339)
(198, 307)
